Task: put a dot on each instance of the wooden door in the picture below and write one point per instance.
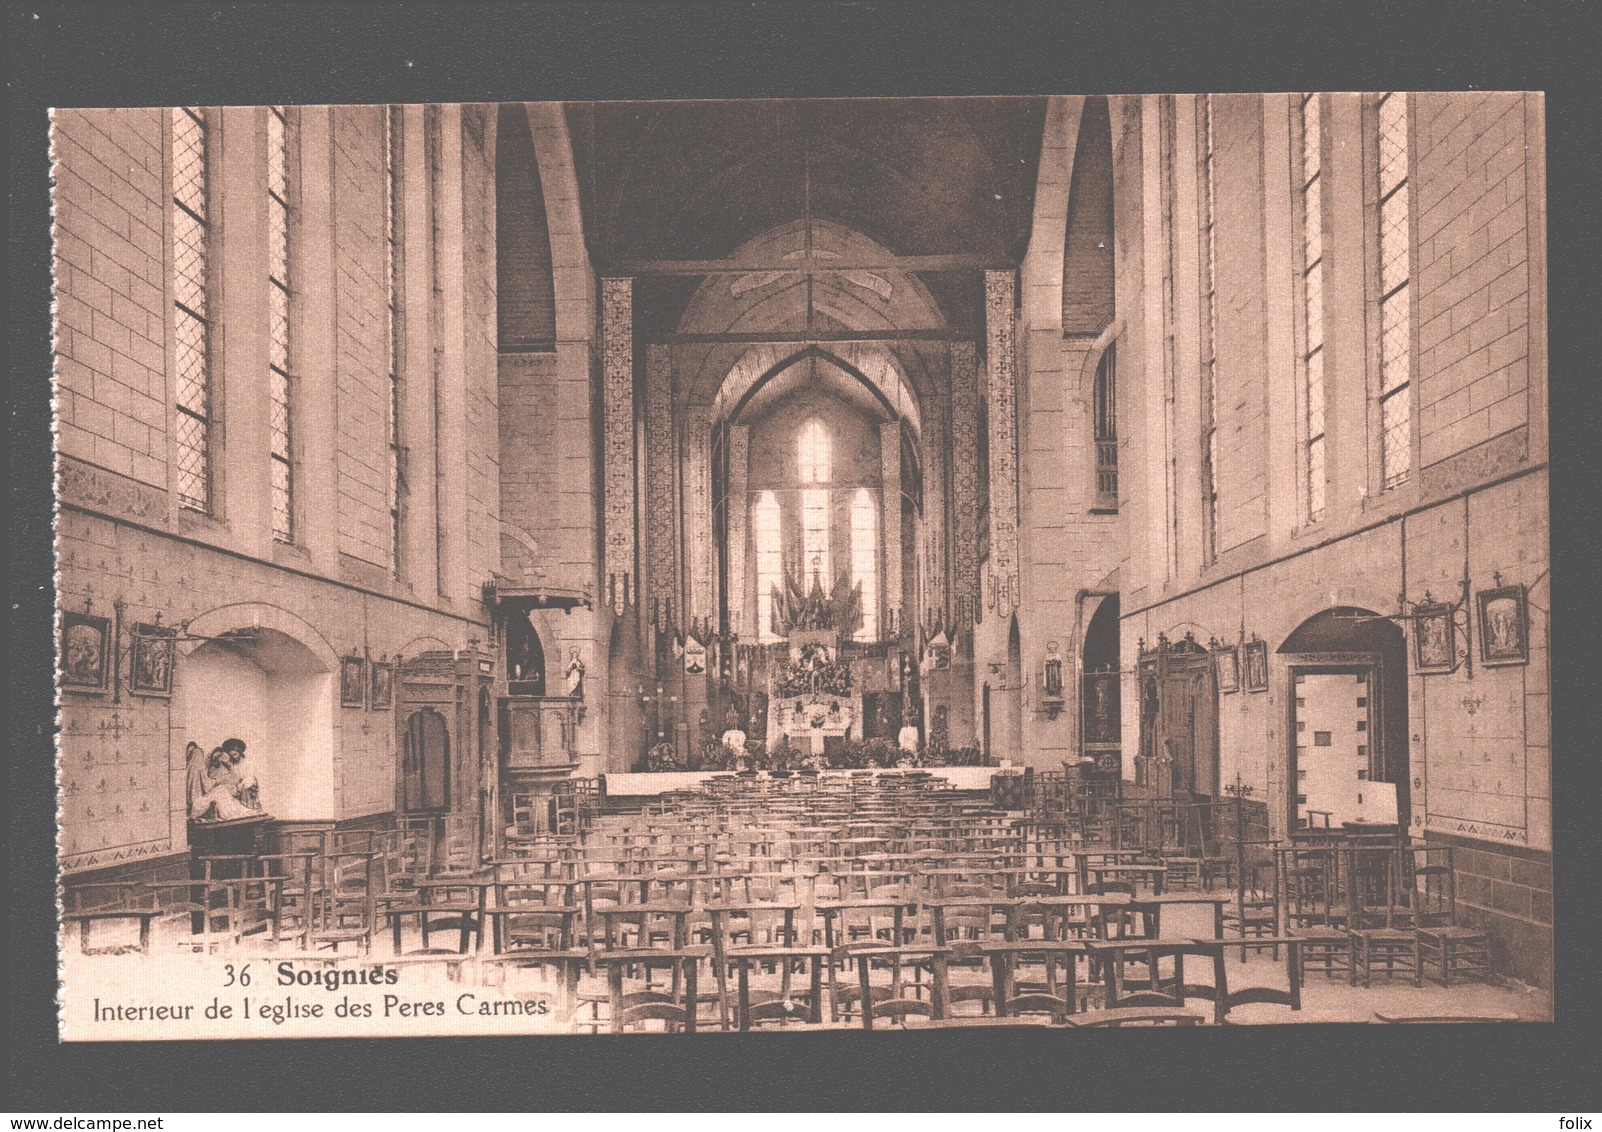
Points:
(426, 763)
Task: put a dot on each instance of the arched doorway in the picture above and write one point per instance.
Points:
(267, 688)
(525, 656)
(1178, 756)
(1100, 720)
(1348, 720)
(425, 779)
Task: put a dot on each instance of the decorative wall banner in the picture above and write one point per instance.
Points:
(964, 482)
(739, 504)
(1001, 361)
(617, 377)
(661, 480)
(698, 508)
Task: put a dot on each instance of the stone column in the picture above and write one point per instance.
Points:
(617, 447)
(697, 479)
(933, 604)
(739, 504)
(890, 526)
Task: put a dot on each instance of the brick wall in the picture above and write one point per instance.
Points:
(1472, 267)
(362, 336)
(1507, 893)
(481, 378)
(112, 309)
(1243, 371)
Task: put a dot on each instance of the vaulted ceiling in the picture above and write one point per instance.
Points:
(697, 180)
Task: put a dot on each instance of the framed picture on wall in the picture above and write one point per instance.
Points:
(1226, 658)
(85, 652)
(1504, 626)
(1255, 665)
(1434, 639)
(1101, 707)
(382, 694)
(151, 660)
(353, 681)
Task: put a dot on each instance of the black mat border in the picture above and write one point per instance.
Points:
(144, 54)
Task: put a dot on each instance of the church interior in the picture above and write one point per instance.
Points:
(792, 564)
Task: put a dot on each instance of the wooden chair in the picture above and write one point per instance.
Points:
(1379, 924)
(347, 908)
(768, 935)
(1454, 950)
(535, 923)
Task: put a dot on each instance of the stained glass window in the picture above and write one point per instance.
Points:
(1396, 318)
(813, 452)
(1312, 193)
(865, 560)
(769, 560)
(280, 383)
(815, 536)
(191, 330)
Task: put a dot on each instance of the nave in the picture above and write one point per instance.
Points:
(808, 901)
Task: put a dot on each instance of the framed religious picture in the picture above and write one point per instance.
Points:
(381, 695)
(1434, 639)
(151, 661)
(1226, 659)
(1101, 707)
(1504, 626)
(85, 652)
(353, 681)
(1255, 665)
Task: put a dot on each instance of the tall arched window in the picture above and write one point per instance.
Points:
(1105, 406)
(1396, 318)
(812, 452)
(769, 560)
(812, 458)
(815, 536)
(865, 560)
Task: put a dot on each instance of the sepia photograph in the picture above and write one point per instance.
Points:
(802, 542)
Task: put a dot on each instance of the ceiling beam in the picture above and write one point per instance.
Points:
(903, 263)
(813, 338)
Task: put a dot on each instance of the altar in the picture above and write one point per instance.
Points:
(815, 697)
(650, 785)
